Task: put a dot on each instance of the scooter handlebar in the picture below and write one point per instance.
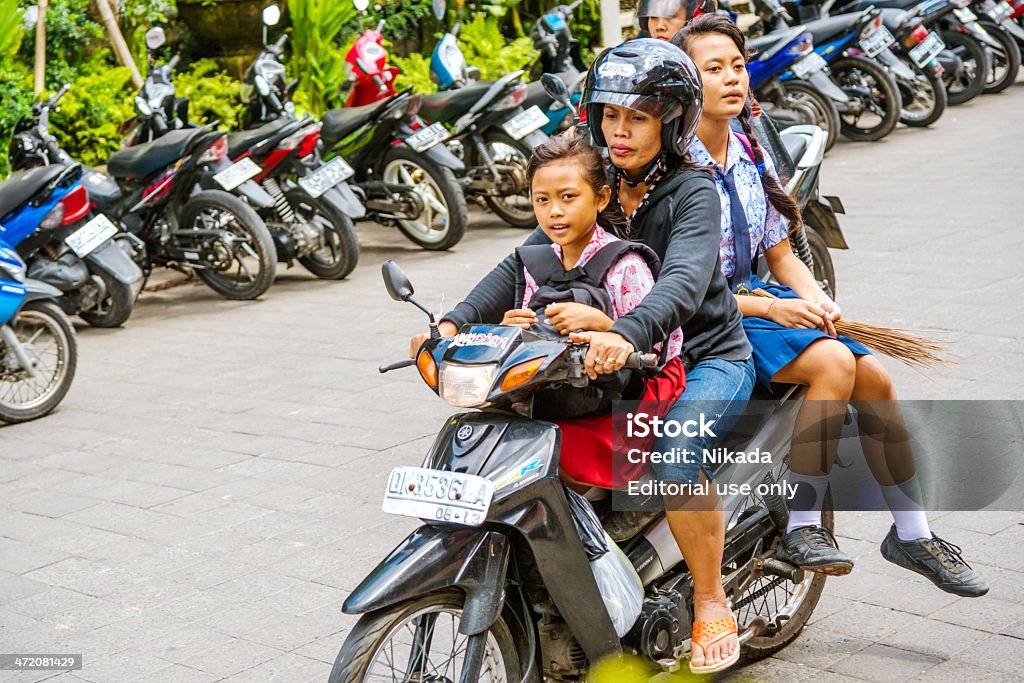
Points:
(281, 41)
(174, 62)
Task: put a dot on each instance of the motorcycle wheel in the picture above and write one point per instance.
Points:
(340, 252)
(514, 209)
(116, 306)
(855, 75)
(55, 347)
(970, 82)
(801, 97)
(443, 221)
(1004, 63)
(924, 100)
(371, 644)
(252, 259)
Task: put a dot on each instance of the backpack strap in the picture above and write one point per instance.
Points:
(745, 141)
(540, 261)
(607, 256)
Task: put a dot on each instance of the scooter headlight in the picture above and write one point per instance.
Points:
(466, 386)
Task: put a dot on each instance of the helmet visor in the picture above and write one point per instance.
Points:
(668, 9)
(662, 108)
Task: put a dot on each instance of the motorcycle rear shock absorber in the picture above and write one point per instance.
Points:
(802, 248)
(284, 209)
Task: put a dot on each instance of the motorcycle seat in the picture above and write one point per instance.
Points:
(337, 123)
(861, 5)
(22, 185)
(825, 30)
(451, 104)
(770, 45)
(246, 139)
(141, 160)
(795, 145)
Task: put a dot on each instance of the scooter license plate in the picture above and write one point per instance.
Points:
(812, 63)
(965, 15)
(877, 41)
(91, 236)
(422, 140)
(525, 122)
(927, 49)
(237, 173)
(441, 496)
(327, 176)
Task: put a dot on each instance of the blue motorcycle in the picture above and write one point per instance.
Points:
(560, 56)
(38, 352)
(807, 99)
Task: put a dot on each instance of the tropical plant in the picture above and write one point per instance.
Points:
(10, 29)
(484, 46)
(415, 72)
(70, 34)
(213, 95)
(87, 124)
(316, 56)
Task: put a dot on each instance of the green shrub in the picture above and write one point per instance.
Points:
(213, 95)
(10, 29)
(316, 57)
(484, 46)
(16, 95)
(88, 122)
(70, 34)
(415, 71)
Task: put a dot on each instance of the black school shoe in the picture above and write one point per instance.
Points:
(937, 560)
(814, 548)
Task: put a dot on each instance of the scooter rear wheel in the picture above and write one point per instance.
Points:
(443, 222)
(116, 306)
(514, 209)
(802, 97)
(1004, 63)
(866, 80)
(924, 101)
(970, 81)
(369, 650)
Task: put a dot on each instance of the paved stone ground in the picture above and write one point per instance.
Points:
(209, 492)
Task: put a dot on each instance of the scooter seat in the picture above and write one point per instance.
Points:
(795, 145)
(451, 104)
(770, 45)
(337, 123)
(22, 185)
(825, 30)
(243, 140)
(861, 5)
(141, 160)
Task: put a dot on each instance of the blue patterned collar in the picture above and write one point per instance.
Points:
(700, 154)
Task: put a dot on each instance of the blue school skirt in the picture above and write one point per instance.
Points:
(776, 346)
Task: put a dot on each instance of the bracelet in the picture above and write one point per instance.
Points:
(770, 307)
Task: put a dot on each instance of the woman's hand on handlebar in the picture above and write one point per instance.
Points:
(519, 317)
(570, 316)
(610, 348)
(446, 329)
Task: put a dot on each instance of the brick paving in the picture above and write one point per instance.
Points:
(209, 491)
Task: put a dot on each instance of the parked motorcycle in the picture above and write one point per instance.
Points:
(406, 175)
(871, 107)
(90, 262)
(487, 586)
(560, 56)
(311, 218)
(38, 349)
(495, 133)
(809, 97)
(1005, 60)
(921, 86)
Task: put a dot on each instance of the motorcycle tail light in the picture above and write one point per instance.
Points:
(919, 33)
(514, 98)
(427, 366)
(803, 47)
(76, 205)
(54, 219)
(308, 144)
(872, 26)
(215, 151)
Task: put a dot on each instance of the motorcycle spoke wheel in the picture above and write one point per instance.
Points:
(433, 222)
(236, 262)
(512, 204)
(47, 338)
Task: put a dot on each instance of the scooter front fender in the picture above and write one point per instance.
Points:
(821, 215)
(435, 558)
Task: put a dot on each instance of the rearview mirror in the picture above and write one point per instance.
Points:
(361, 5)
(271, 15)
(438, 7)
(555, 89)
(155, 38)
(398, 285)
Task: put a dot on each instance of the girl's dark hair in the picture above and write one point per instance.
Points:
(707, 24)
(573, 146)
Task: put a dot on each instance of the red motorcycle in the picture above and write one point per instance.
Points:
(369, 76)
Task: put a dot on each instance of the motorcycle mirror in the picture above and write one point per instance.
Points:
(439, 8)
(271, 15)
(142, 107)
(155, 38)
(473, 73)
(361, 5)
(398, 285)
(555, 89)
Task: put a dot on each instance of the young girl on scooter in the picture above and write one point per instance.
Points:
(794, 337)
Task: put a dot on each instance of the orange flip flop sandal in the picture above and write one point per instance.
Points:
(706, 634)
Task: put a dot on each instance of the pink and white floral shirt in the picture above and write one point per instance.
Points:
(627, 283)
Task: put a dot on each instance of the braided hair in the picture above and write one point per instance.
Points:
(773, 191)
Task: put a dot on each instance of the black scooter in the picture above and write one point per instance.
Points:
(496, 585)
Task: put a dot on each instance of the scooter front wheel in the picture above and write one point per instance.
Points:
(411, 640)
(442, 223)
(47, 340)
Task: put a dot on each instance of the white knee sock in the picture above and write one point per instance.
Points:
(805, 506)
(907, 507)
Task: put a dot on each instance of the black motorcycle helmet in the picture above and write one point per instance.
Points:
(653, 77)
(686, 10)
